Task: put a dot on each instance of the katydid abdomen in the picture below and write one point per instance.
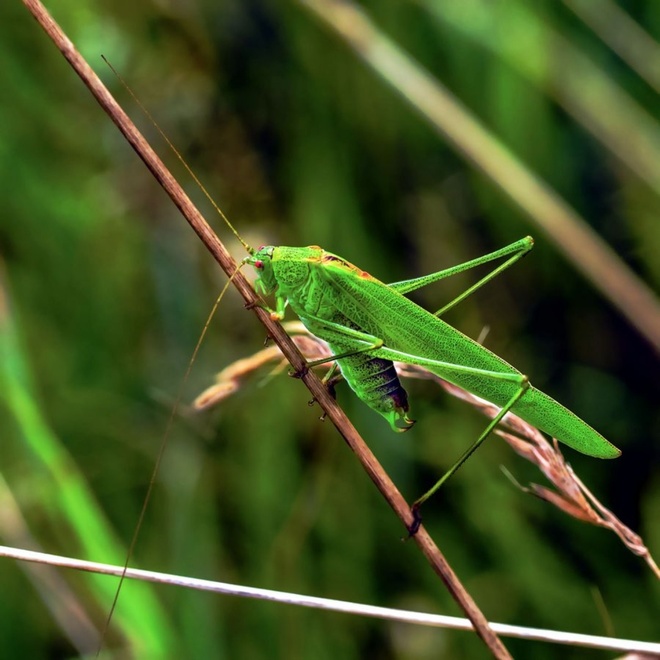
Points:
(374, 380)
(356, 313)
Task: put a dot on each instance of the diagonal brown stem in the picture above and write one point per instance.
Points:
(217, 249)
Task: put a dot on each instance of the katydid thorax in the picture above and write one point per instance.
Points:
(369, 324)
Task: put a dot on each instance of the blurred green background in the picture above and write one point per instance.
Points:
(105, 290)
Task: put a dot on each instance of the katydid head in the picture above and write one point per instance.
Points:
(262, 261)
(283, 268)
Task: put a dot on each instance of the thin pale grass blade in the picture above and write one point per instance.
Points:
(359, 609)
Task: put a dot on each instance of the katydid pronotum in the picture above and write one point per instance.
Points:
(369, 324)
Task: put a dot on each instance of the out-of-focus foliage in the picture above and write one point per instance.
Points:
(105, 290)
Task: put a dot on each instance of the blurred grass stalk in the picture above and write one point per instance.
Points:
(623, 35)
(57, 484)
(563, 72)
(625, 129)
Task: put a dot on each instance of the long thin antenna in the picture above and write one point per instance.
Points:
(179, 396)
(159, 459)
(370, 464)
(179, 156)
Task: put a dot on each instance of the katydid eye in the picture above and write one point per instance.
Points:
(259, 264)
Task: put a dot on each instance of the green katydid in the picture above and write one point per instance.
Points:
(369, 324)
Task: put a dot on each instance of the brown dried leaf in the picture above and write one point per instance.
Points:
(570, 494)
(228, 381)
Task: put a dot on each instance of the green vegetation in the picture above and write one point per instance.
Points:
(105, 290)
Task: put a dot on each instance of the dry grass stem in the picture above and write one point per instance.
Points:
(330, 407)
(570, 494)
(346, 607)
